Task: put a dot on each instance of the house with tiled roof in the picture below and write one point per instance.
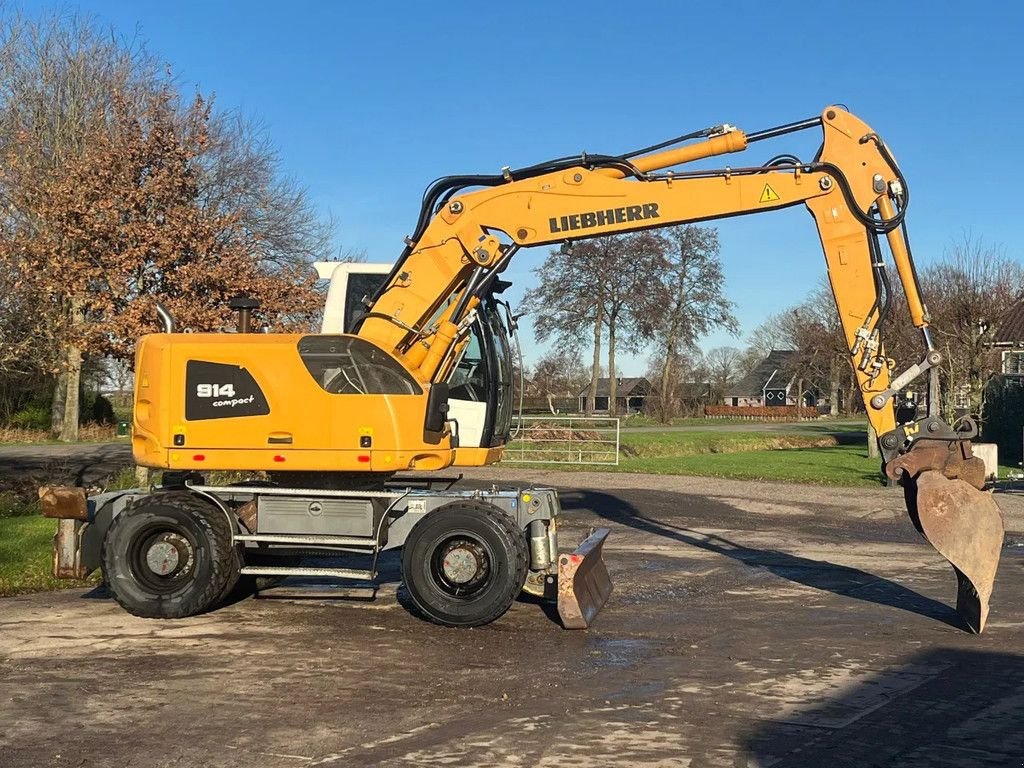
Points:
(770, 383)
(630, 394)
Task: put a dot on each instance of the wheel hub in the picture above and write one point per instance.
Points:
(168, 555)
(461, 564)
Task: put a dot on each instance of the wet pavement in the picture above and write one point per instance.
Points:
(751, 625)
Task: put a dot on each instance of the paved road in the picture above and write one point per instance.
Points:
(78, 464)
(758, 625)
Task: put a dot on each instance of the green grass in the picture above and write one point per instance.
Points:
(818, 453)
(26, 547)
(835, 465)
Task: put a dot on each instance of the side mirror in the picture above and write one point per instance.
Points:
(437, 409)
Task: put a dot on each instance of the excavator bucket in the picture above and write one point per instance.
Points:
(942, 481)
(965, 527)
(583, 582)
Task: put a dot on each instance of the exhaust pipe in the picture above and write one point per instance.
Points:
(166, 318)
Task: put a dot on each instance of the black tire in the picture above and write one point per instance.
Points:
(491, 551)
(194, 539)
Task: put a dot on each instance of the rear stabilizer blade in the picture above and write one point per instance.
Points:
(583, 582)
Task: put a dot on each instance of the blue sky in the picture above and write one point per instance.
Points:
(367, 102)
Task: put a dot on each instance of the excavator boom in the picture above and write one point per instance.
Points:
(856, 194)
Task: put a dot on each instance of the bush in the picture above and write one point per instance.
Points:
(31, 417)
(101, 411)
(13, 504)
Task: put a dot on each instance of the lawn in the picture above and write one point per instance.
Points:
(819, 465)
(819, 453)
(25, 552)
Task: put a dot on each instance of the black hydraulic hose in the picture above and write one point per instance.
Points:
(882, 283)
(873, 225)
(785, 159)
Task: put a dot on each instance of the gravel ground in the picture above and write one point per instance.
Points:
(752, 624)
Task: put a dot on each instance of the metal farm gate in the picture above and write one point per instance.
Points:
(564, 440)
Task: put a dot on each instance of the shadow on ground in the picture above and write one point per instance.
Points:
(942, 708)
(820, 574)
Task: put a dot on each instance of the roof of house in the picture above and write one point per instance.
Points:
(1011, 326)
(627, 387)
(753, 384)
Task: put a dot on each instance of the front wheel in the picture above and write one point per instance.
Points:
(464, 563)
(168, 556)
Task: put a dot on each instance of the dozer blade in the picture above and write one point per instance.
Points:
(583, 582)
(965, 527)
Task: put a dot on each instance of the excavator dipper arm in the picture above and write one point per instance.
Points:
(856, 194)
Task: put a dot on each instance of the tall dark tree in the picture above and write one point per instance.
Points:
(599, 286)
(689, 300)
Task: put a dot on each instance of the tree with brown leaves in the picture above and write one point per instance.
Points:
(118, 195)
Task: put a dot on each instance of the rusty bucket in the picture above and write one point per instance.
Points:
(965, 527)
(943, 482)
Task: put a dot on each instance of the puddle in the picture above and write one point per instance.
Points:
(607, 652)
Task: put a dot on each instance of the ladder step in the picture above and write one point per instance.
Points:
(335, 573)
(365, 542)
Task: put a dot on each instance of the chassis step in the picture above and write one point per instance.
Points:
(360, 542)
(333, 573)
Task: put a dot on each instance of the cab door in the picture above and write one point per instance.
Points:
(480, 384)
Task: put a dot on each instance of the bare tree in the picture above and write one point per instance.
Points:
(569, 300)
(689, 299)
(722, 367)
(560, 373)
(632, 268)
(966, 292)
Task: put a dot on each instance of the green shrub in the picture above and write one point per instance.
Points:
(31, 417)
(13, 505)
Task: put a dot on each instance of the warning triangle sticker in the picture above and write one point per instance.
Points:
(768, 195)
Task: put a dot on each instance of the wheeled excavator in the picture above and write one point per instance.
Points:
(424, 382)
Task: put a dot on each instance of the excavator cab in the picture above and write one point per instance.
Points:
(480, 381)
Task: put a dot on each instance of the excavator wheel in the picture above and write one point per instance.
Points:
(169, 556)
(465, 563)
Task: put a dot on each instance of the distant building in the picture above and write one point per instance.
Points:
(1003, 411)
(769, 384)
(630, 395)
(1007, 346)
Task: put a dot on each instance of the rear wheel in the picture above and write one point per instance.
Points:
(464, 563)
(169, 555)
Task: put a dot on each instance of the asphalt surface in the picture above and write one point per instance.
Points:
(85, 464)
(752, 624)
